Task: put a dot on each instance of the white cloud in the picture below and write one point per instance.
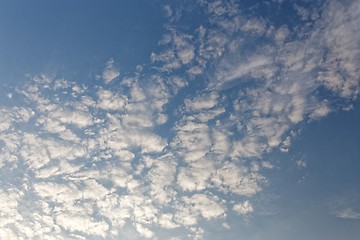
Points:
(238, 180)
(205, 206)
(267, 165)
(101, 165)
(195, 70)
(252, 66)
(204, 102)
(195, 178)
(109, 100)
(340, 33)
(61, 84)
(15, 114)
(348, 213)
(124, 131)
(301, 163)
(243, 208)
(221, 142)
(281, 34)
(191, 209)
(254, 25)
(144, 231)
(60, 193)
(186, 55)
(297, 112)
(168, 11)
(124, 155)
(303, 12)
(320, 111)
(77, 118)
(166, 221)
(110, 72)
(6, 120)
(162, 177)
(7, 233)
(192, 140)
(82, 223)
(9, 207)
(345, 206)
(247, 147)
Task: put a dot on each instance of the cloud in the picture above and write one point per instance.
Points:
(109, 100)
(282, 34)
(195, 178)
(162, 177)
(14, 115)
(341, 36)
(322, 110)
(348, 213)
(243, 208)
(198, 205)
(345, 206)
(202, 102)
(164, 149)
(74, 223)
(77, 118)
(237, 179)
(253, 66)
(144, 232)
(254, 25)
(110, 72)
(301, 164)
(186, 55)
(167, 221)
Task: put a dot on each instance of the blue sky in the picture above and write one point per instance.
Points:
(203, 119)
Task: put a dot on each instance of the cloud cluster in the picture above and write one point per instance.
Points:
(161, 153)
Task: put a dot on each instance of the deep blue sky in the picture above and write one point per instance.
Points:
(76, 36)
(180, 119)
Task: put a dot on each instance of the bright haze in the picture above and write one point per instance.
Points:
(191, 119)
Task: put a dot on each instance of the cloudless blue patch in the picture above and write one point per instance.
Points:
(74, 36)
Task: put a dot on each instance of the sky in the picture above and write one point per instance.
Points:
(192, 119)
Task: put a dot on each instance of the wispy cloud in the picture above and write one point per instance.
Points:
(348, 213)
(345, 206)
(110, 72)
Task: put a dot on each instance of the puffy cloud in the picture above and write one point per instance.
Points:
(82, 223)
(186, 55)
(109, 100)
(7, 233)
(195, 178)
(157, 154)
(243, 208)
(166, 221)
(14, 115)
(238, 180)
(254, 25)
(340, 34)
(282, 34)
(321, 111)
(162, 178)
(192, 140)
(144, 231)
(198, 205)
(77, 118)
(202, 102)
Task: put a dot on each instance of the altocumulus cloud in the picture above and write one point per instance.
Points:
(89, 162)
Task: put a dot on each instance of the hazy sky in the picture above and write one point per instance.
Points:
(191, 119)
